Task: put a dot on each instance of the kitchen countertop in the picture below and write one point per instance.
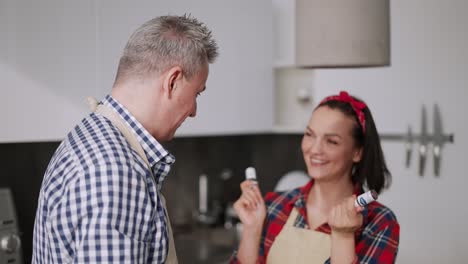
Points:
(206, 245)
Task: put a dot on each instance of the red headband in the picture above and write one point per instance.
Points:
(356, 105)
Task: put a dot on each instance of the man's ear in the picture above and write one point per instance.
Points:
(173, 75)
(357, 155)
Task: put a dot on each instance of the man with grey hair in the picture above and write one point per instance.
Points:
(100, 199)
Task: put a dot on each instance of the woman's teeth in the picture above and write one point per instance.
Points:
(317, 161)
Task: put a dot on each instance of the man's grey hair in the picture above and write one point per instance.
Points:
(164, 42)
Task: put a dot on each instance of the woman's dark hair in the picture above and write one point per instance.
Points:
(371, 171)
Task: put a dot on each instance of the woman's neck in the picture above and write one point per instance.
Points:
(325, 194)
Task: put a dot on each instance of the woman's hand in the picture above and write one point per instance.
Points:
(251, 210)
(250, 207)
(344, 218)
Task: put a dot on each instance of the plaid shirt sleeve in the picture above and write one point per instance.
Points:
(380, 238)
(104, 219)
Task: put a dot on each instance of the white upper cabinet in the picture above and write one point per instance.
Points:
(47, 67)
(294, 99)
(57, 53)
(238, 98)
(293, 87)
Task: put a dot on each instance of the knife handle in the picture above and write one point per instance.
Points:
(422, 159)
(409, 147)
(437, 151)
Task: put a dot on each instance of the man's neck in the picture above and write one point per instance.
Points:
(140, 102)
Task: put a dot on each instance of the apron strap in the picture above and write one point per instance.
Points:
(116, 120)
(119, 123)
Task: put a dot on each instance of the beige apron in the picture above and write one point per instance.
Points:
(132, 140)
(298, 245)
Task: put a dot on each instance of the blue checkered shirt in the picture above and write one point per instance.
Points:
(99, 202)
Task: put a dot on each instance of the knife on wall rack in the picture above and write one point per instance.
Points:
(438, 139)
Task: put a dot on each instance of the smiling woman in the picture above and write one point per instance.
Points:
(319, 223)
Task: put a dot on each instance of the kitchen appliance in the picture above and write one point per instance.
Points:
(10, 243)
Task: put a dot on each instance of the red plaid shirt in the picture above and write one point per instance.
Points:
(376, 241)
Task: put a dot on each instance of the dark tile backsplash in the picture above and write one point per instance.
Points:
(23, 166)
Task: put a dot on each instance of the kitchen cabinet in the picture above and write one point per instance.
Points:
(293, 87)
(293, 99)
(47, 67)
(57, 53)
(238, 98)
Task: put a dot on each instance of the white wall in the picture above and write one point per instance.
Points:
(429, 65)
(46, 67)
(53, 54)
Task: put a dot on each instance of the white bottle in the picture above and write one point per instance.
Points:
(366, 198)
(251, 174)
